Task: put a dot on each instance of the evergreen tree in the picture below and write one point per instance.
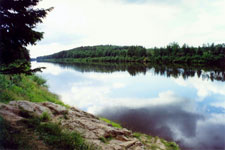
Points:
(18, 18)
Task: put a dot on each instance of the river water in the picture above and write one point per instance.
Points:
(185, 105)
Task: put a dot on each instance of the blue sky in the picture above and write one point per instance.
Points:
(129, 22)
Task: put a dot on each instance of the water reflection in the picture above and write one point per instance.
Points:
(192, 130)
(186, 105)
(133, 69)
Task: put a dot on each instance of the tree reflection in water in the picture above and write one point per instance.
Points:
(205, 72)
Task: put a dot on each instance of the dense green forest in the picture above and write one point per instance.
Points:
(209, 54)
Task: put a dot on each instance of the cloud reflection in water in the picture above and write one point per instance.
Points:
(192, 130)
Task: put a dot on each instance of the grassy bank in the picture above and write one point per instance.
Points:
(21, 87)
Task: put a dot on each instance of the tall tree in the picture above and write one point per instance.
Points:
(18, 19)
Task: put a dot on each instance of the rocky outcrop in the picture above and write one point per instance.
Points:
(91, 128)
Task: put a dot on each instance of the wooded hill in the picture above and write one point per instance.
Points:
(209, 54)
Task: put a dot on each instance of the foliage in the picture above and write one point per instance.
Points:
(18, 21)
(22, 87)
(107, 53)
(20, 66)
(116, 125)
(173, 53)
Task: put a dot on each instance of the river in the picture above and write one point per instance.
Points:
(184, 105)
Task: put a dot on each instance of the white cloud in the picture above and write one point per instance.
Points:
(148, 23)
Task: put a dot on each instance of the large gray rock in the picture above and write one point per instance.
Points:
(29, 107)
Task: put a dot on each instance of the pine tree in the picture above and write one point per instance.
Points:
(18, 19)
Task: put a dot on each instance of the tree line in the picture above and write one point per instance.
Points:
(210, 54)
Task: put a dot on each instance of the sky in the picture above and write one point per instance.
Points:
(150, 23)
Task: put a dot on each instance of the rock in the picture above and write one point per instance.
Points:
(10, 113)
(122, 138)
(128, 144)
(55, 109)
(160, 144)
(33, 108)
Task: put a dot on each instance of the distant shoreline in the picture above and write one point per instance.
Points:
(213, 55)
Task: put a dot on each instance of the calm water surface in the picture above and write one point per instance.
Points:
(186, 106)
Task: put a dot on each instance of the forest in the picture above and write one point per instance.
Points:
(208, 54)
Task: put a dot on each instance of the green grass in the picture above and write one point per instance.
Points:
(170, 145)
(22, 87)
(52, 134)
(114, 124)
(45, 117)
(137, 135)
(57, 137)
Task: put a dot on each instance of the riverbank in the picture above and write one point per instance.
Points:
(48, 123)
